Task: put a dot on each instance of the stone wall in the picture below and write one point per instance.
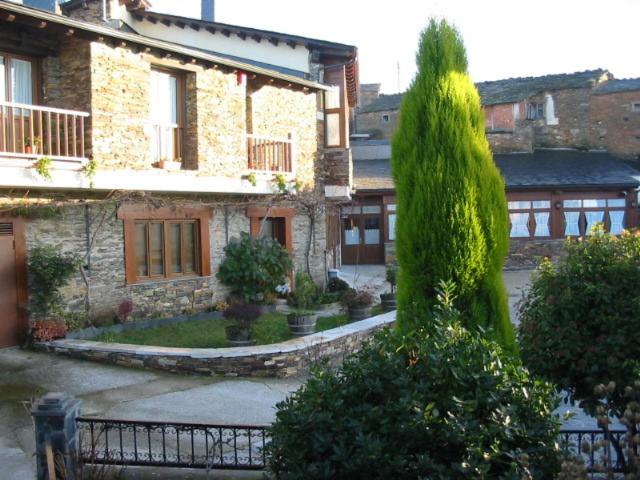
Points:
(105, 268)
(371, 123)
(526, 254)
(338, 166)
(520, 139)
(613, 125)
(571, 108)
(284, 359)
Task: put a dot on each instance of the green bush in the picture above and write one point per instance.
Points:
(254, 267)
(49, 271)
(452, 212)
(305, 293)
(579, 320)
(440, 403)
(392, 277)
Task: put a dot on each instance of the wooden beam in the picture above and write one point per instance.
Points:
(226, 33)
(8, 17)
(195, 26)
(69, 32)
(211, 29)
(181, 25)
(241, 35)
(274, 41)
(166, 22)
(151, 19)
(257, 38)
(291, 43)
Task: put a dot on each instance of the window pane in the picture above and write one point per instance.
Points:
(392, 226)
(332, 97)
(617, 222)
(572, 227)
(333, 128)
(617, 202)
(572, 203)
(176, 248)
(189, 231)
(351, 232)
(156, 246)
(542, 224)
(593, 218)
(142, 256)
(372, 231)
(351, 210)
(371, 209)
(21, 85)
(593, 203)
(541, 204)
(3, 89)
(519, 225)
(391, 207)
(519, 205)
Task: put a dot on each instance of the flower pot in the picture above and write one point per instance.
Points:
(169, 165)
(238, 337)
(359, 313)
(388, 301)
(303, 323)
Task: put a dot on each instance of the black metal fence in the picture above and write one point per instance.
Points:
(575, 441)
(171, 444)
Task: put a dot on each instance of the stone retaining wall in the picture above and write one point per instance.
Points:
(284, 359)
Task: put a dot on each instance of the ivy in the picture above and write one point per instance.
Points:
(89, 171)
(43, 168)
(251, 178)
(281, 182)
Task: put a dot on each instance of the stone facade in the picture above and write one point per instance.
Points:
(277, 360)
(526, 254)
(614, 125)
(375, 125)
(105, 268)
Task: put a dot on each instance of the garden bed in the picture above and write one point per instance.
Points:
(281, 359)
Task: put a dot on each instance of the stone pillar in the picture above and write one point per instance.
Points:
(55, 424)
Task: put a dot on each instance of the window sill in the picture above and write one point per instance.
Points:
(164, 280)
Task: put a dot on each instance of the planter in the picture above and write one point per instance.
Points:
(388, 301)
(359, 313)
(238, 337)
(169, 165)
(301, 324)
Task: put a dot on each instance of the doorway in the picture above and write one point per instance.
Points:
(12, 294)
(362, 230)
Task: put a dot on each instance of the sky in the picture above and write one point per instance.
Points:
(504, 38)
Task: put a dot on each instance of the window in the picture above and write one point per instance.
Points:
(529, 218)
(391, 221)
(581, 215)
(535, 111)
(335, 108)
(277, 224)
(16, 79)
(167, 101)
(635, 107)
(385, 119)
(165, 243)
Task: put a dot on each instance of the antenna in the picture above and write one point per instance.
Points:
(398, 76)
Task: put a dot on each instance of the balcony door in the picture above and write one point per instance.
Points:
(166, 115)
(17, 86)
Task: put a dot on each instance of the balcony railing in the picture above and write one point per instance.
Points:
(167, 142)
(32, 131)
(269, 154)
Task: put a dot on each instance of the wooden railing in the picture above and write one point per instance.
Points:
(32, 131)
(269, 154)
(167, 142)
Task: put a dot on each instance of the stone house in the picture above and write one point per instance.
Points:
(566, 145)
(145, 158)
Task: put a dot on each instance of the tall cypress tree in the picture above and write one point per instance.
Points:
(452, 219)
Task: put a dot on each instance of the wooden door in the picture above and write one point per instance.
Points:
(11, 328)
(362, 239)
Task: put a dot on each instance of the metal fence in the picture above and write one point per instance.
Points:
(574, 441)
(171, 444)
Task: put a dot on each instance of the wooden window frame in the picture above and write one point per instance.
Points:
(181, 107)
(256, 214)
(131, 215)
(337, 80)
(535, 111)
(531, 223)
(35, 75)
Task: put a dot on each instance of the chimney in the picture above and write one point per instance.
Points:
(207, 10)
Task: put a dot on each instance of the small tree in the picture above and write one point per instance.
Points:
(452, 213)
(49, 271)
(254, 267)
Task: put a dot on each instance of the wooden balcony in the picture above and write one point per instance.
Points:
(33, 131)
(270, 154)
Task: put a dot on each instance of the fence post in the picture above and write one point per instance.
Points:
(55, 425)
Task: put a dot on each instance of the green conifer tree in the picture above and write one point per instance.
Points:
(452, 219)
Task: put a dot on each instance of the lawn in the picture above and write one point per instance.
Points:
(270, 328)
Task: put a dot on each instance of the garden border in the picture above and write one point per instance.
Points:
(282, 359)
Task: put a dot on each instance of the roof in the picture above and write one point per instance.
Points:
(540, 169)
(511, 90)
(615, 86)
(384, 102)
(17, 12)
(565, 168)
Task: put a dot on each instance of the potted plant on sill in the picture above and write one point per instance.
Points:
(282, 294)
(330, 298)
(170, 164)
(49, 271)
(32, 145)
(244, 315)
(358, 302)
(389, 299)
(302, 319)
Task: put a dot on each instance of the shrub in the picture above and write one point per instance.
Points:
(245, 314)
(254, 267)
(305, 294)
(440, 403)
(452, 212)
(392, 274)
(335, 285)
(49, 271)
(124, 310)
(47, 330)
(353, 298)
(579, 320)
